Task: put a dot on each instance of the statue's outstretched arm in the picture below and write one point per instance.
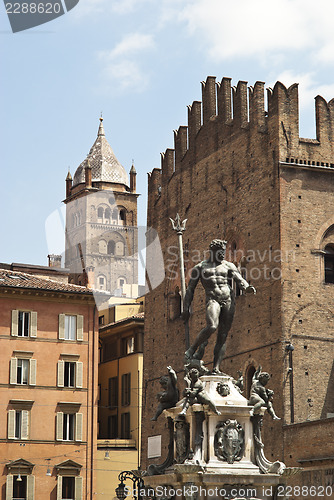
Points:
(172, 375)
(242, 283)
(257, 373)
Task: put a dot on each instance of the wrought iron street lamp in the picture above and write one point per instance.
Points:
(138, 485)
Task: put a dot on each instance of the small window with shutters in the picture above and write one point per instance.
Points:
(24, 323)
(23, 368)
(70, 373)
(20, 484)
(69, 487)
(69, 426)
(18, 424)
(70, 327)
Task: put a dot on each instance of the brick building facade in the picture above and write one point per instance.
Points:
(241, 172)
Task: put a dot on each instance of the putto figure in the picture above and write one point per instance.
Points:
(195, 393)
(170, 394)
(214, 274)
(260, 397)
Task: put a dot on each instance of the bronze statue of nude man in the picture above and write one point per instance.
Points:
(214, 274)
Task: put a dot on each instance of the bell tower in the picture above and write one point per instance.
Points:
(101, 245)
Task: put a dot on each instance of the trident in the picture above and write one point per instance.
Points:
(180, 228)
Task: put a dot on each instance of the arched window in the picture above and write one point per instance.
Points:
(115, 216)
(101, 282)
(111, 247)
(329, 263)
(121, 281)
(119, 249)
(100, 213)
(103, 246)
(79, 219)
(107, 215)
(122, 216)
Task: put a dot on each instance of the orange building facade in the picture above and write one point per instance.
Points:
(48, 388)
(121, 388)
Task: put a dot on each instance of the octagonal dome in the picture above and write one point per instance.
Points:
(103, 162)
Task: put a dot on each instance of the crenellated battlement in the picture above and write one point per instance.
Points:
(228, 112)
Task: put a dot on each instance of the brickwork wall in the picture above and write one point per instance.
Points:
(227, 176)
(306, 206)
(316, 461)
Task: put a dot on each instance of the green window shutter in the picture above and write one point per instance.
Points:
(32, 371)
(59, 487)
(11, 424)
(13, 371)
(30, 487)
(15, 323)
(78, 426)
(60, 374)
(59, 426)
(79, 327)
(61, 332)
(78, 488)
(25, 424)
(9, 487)
(79, 375)
(33, 324)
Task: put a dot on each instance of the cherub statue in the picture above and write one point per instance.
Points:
(170, 394)
(260, 396)
(239, 384)
(195, 393)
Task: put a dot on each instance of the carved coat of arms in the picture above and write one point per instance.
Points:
(229, 441)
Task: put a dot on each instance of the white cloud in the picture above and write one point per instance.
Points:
(259, 28)
(132, 44)
(125, 75)
(121, 65)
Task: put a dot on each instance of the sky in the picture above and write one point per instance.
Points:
(140, 63)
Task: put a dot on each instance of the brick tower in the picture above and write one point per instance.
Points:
(101, 220)
(246, 176)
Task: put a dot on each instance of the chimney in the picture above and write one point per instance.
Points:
(88, 174)
(69, 182)
(90, 276)
(54, 260)
(133, 175)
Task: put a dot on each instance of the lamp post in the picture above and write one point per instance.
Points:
(138, 485)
